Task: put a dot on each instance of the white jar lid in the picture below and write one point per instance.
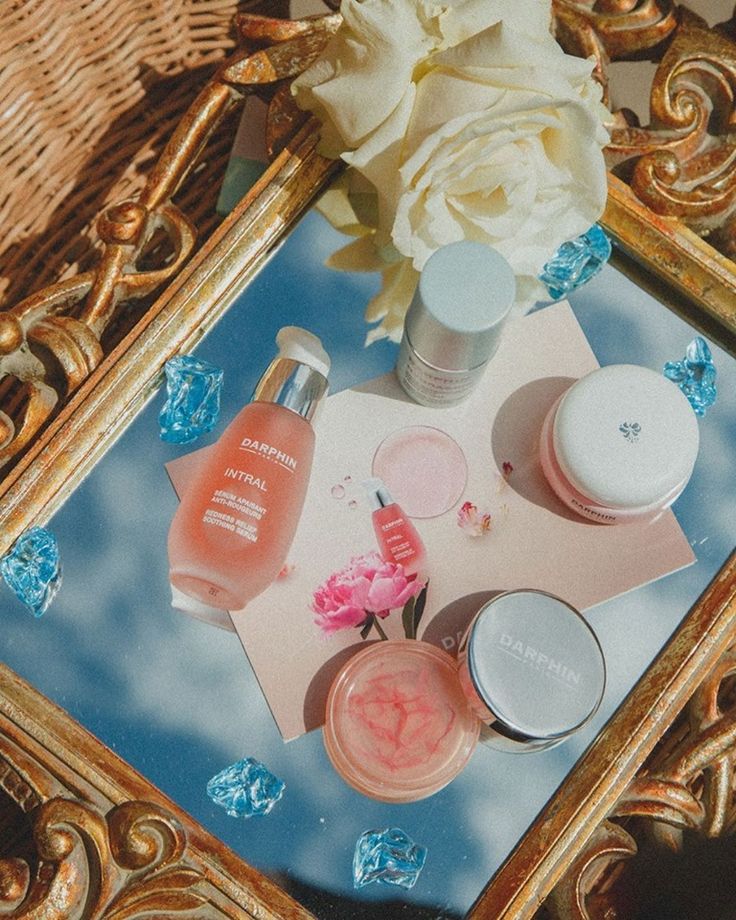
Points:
(626, 437)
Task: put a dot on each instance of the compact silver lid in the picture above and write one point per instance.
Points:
(291, 384)
(464, 295)
(536, 664)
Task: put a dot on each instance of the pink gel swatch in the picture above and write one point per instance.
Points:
(424, 469)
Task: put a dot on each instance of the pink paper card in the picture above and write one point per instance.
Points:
(533, 540)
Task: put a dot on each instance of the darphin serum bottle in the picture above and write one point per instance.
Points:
(234, 526)
(454, 323)
(397, 537)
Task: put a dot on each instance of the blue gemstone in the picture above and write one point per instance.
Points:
(32, 569)
(695, 375)
(388, 855)
(576, 262)
(245, 788)
(193, 399)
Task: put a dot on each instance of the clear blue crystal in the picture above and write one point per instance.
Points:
(193, 399)
(245, 788)
(32, 569)
(388, 855)
(576, 262)
(695, 375)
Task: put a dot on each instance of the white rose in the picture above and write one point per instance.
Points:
(470, 122)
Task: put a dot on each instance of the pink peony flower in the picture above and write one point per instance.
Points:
(367, 585)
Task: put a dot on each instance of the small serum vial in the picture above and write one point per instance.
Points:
(454, 324)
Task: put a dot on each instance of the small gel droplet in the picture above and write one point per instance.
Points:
(348, 479)
(338, 491)
(352, 504)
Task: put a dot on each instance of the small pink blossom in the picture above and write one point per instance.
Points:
(474, 522)
(367, 585)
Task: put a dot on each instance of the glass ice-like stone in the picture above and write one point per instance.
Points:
(192, 399)
(576, 262)
(695, 375)
(32, 569)
(387, 855)
(245, 788)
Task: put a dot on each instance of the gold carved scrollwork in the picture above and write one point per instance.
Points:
(688, 785)
(612, 28)
(692, 174)
(84, 837)
(122, 865)
(52, 341)
(683, 163)
(622, 27)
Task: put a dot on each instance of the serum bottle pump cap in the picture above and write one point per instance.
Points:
(297, 377)
(235, 524)
(454, 324)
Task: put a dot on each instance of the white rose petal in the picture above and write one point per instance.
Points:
(379, 160)
(392, 302)
(365, 70)
(465, 18)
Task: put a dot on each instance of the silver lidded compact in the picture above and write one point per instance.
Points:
(532, 669)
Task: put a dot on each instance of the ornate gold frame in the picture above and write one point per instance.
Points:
(672, 181)
(565, 846)
(124, 381)
(108, 844)
(673, 263)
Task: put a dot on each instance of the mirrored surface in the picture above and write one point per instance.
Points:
(177, 698)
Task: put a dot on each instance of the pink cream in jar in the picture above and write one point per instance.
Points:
(397, 725)
(620, 445)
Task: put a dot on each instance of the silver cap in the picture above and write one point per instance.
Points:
(291, 384)
(536, 664)
(464, 295)
(378, 495)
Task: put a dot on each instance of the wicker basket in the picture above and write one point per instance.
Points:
(90, 95)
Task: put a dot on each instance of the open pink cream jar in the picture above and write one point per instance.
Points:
(619, 446)
(403, 717)
(397, 726)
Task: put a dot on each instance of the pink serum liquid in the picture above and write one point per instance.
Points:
(398, 540)
(233, 529)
